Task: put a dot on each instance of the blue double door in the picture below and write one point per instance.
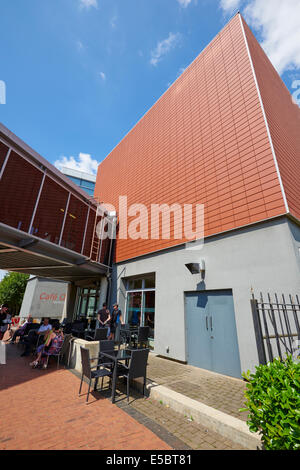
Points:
(211, 336)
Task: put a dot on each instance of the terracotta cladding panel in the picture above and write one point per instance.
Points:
(204, 141)
(283, 117)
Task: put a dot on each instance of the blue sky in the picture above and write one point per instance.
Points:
(80, 73)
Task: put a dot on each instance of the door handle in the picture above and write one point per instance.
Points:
(211, 324)
(206, 318)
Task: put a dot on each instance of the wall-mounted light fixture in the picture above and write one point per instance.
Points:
(197, 268)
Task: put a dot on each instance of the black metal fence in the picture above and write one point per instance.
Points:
(276, 324)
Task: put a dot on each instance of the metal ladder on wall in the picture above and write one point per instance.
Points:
(96, 242)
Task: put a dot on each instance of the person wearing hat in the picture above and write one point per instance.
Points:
(115, 319)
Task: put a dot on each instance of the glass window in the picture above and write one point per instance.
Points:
(134, 308)
(149, 311)
(89, 191)
(74, 179)
(88, 303)
(88, 184)
(140, 305)
(82, 309)
(150, 283)
(135, 284)
(91, 306)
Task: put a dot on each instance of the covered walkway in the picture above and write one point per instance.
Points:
(48, 225)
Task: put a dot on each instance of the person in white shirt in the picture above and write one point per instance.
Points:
(34, 334)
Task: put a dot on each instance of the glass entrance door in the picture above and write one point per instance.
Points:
(149, 311)
(140, 310)
(134, 308)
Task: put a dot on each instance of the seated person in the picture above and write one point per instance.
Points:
(15, 320)
(5, 320)
(33, 335)
(20, 331)
(52, 345)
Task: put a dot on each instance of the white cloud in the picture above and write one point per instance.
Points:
(184, 3)
(278, 23)
(230, 5)
(88, 4)
(84, 162)
(102, 75)
(163, 47)
(80, 46)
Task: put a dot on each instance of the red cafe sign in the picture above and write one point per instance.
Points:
(52, 297)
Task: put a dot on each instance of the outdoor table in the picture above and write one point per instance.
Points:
(115, 356)
(88, 332)
(128, 332)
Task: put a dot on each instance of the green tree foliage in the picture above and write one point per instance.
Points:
(273, 402)
(12, 288)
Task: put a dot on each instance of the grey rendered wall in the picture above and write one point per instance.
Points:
(263, 257)
(295, 235)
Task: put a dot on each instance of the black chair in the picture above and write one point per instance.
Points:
(89, 373)
(62, 351)
(39, 341)
(29, 327)
(125, 334)
(100, 334)
(137, 368)
(141, 340)
(105, 345)
(67, 328)
(117, 333)
(78, 329)
(63, 323)
(54, 322)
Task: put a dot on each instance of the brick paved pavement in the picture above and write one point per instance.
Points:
(189, 433)
(49, 400)
(41, 410)
(218, 391)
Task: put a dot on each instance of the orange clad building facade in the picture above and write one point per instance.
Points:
(225, 135)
